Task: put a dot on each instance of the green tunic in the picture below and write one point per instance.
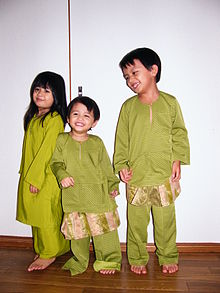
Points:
(89, 165)
(148, 144)
(42, 209)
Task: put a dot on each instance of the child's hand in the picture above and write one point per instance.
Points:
(67, 182)
(114, 193)
(126, 175)
(33, 189)
(176, 171)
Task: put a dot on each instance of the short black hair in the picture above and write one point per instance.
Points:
(88, 102)
(146, 56)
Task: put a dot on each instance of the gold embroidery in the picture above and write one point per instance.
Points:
(157, 195)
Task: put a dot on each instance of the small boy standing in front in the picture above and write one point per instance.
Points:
(84, 171)
(150, 145)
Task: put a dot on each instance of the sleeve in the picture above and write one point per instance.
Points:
(113, 181)
(120, 158)
(57, 163)
(22, 156)
(180, 142)
(38, 169)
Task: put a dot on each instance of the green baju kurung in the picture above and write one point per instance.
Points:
(41, 210)
(149, 138)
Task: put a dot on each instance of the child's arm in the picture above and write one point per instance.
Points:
(113, 181)
(33, 189)
(120, 159)
(176, 171)
(126, 175)
(35, 175)
(114, 193)
(67, 182)
(180, 142)
(58, 165)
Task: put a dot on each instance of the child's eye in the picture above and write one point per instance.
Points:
(87, 116)
(74, 113)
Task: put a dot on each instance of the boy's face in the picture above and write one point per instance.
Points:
(138, 78)
(80, 119)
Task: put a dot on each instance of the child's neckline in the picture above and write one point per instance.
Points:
(148, 104)
(76, 140)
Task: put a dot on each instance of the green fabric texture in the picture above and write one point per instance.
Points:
(43, 208)
(49, 242)
(107, 252)
(164, 234)
(149, 148)
(89, 165)
(80, 260)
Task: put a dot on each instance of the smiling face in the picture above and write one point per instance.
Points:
(138, 78)
(80, 119)
(43, 99)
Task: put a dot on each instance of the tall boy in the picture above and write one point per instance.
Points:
(150, 145)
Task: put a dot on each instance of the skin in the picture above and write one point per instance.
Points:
(43, 99)
(81, 121)
(143, 82)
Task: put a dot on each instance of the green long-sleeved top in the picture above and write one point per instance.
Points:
(149, 138)
(42, 209)
(89, 165)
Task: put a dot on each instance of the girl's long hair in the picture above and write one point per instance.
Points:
(57, 85)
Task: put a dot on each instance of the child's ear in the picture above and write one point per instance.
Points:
(154, 69)
(94, 123)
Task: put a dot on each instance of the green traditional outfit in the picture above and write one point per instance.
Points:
(149, 138)
(41, 210)
(89, 209)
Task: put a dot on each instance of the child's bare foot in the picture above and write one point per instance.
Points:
(139, 270)
(170, 269)
(107, 272)
(40, 264)
(36, 256)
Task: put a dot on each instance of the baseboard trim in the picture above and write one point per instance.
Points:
(27, 243)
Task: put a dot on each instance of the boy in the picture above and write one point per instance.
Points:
(150, 145)
(89, 187)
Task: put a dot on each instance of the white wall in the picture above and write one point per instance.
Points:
(186, 35)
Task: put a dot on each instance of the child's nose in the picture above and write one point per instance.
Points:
(40, 91)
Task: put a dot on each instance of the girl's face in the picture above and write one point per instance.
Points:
(43, 99)
(80, 119)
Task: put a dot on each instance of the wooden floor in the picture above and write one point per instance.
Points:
(199, 272)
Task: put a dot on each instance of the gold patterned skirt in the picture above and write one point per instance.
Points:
(157, 195)
(78, 225)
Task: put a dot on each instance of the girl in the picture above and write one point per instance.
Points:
(83, 169)
(39, 198)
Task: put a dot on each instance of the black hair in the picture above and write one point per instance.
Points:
(56, 84)
(146, 56)
(88, 102)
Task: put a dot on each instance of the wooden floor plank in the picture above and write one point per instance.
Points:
(199, 272)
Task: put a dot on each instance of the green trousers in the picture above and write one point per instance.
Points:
(107, 253)
(49, 242)
(164, 221)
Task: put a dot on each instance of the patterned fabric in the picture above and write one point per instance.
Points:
(157, 195)
(149, 146)
(89, 165)
(80, 225)
(38, 146)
